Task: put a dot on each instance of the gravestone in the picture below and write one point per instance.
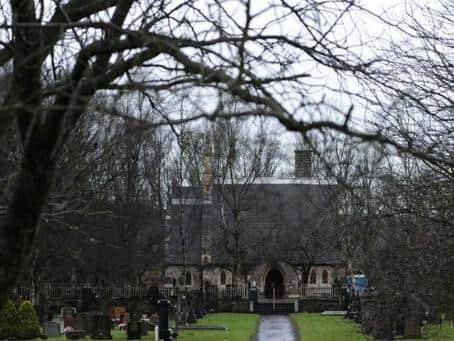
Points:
(163, 312)
(88, 320)
(117, 312)
(68, 314)
(75, 334)
(51, 329)
(125, 318)
(101, 327)
(412, 327)
(191, 318)
(154, 320)
(253, 293)
(144, 328)
(78, 322)
(133, 331)
(88, 300)
(42, 309)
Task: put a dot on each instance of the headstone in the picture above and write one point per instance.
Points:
(412, 327)
(154, 320)
(75, 334)
(117, 312)
(68, 314)
(133, 331)
(144, 328)
(88, 300)
(102, 326)
(88, 320)
(60, 322)
(78, 322)
(163, 311)
(191, 318)
(253, 294)
(42, 308)
(51, 329)
(125, 318)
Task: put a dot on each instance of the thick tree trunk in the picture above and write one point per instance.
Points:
(19, 230)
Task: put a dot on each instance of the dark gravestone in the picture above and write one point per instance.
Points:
(68, 314)
(88, 320)
(191, 318)
(253, 294)
(133, 331)
(412, 327)
(102, 326)
(75, 334)
(88, 300)
(78, 322)
(42, 308)
(51, 329)
(144, 328)
(125, 318)
(163, 312)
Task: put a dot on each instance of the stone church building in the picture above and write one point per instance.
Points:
(264, 225)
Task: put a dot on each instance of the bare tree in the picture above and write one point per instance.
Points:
(240, 158)
(161, 48)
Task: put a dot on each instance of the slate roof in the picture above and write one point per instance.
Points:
(273, 212)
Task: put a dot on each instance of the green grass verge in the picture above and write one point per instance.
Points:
(314, 327)
(240, 327)
(439, 332)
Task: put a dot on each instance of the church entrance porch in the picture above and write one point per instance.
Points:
(274, 284)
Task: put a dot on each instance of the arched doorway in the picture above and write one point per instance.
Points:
(274, 280)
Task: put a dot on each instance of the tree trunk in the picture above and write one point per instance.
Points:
(20, 228)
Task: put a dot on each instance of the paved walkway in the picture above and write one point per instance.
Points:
(275, 328)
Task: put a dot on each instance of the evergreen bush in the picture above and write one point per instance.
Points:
(9, 323)
(28, 322)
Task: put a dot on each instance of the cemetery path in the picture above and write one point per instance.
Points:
(275, 328)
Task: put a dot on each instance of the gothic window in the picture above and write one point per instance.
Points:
(223, 278)
(325, 277)
(188, 278)
(174, 282)
(313, 277)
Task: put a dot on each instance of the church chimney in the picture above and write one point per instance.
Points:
(303, 162)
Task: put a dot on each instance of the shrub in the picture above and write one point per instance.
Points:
(28, 322)
(9, 324)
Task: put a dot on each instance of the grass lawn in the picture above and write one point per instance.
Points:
(442, 332)
(314, 327)
(241, 327)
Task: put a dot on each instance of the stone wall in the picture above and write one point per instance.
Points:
(258, 274)
(211, 274)
(333, 273)
(176, 272)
